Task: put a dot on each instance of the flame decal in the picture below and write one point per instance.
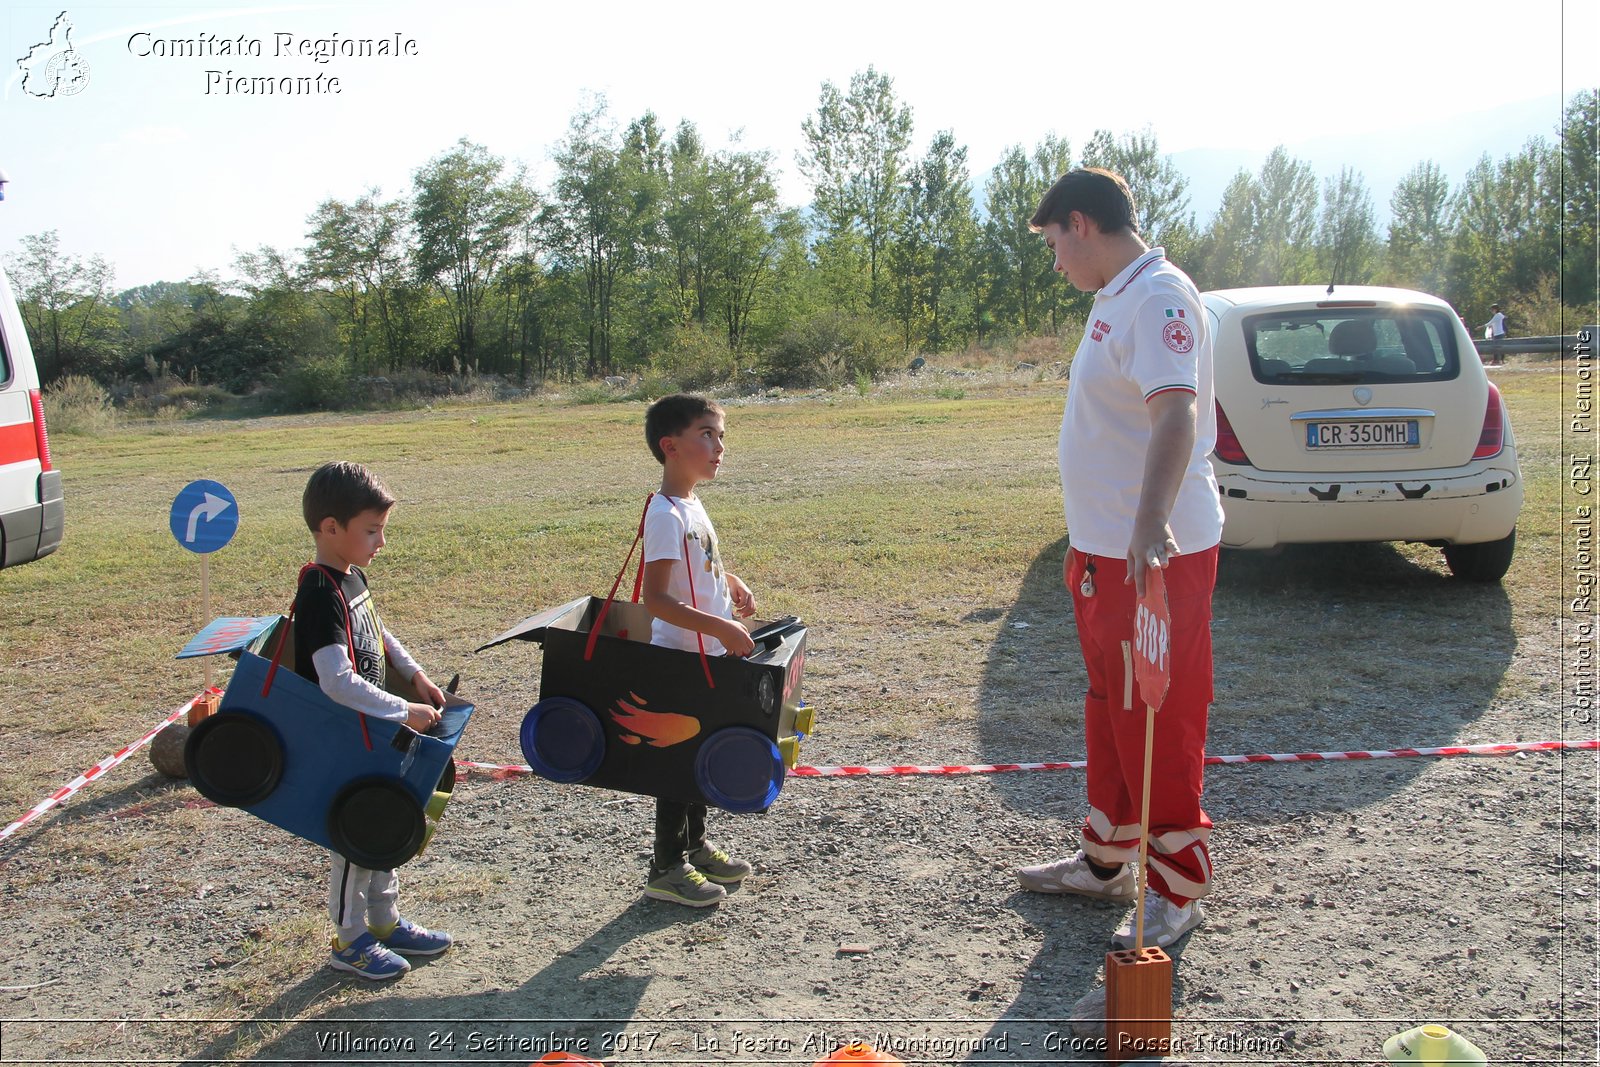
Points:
(663, 728)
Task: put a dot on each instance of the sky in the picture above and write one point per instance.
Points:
(166, 170)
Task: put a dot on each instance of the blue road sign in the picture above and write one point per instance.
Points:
(204, 516)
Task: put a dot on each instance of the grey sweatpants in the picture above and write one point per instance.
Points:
(358, 898)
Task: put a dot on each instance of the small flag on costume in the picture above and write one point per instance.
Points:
(1174, 313)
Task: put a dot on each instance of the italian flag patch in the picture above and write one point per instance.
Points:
(1174, 313)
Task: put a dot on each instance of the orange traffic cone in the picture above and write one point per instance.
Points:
(856, 1053)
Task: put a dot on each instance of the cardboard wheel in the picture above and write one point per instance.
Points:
(562, 740)
(447, 780)
(739, 769)
(234, 759)
(375, 823)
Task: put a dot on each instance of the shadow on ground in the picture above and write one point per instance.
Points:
(495, 1025)
(1318, 648)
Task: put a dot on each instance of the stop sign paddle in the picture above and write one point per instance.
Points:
(1152, 640)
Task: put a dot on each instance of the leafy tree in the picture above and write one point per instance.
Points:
(1227, 251)
(358, 250)
(66, 306)
(1023, 293)
(467, 216)
(1285, 216)
(1160, 191)
(1579, 196)
(1507, 232)
(589, 223)
(1262, 233)
(1347, 236)
(1421, 217)
(856, 160)
(939, 239)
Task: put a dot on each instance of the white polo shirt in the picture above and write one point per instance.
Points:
(1146, 334)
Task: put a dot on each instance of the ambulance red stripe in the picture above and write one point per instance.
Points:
(17, 443)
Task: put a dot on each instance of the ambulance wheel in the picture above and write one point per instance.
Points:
(739, 769)
(375, 823)
(562, 740)
(234, 759)
(447, 780)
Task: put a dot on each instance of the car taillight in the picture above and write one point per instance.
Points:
(1228, 449)
(41, 437)
(1493, 436)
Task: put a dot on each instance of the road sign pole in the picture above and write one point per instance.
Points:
(205, 604)
(204, 518)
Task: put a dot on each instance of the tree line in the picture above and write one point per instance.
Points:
(652, 254)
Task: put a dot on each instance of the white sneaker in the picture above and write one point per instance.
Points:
(1073, 875)
(1164, 921)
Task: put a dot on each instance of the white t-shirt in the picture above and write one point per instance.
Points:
(1496, 325)
(1146, 334)
(667, 522)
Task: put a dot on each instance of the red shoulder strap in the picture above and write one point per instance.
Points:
(638, 584)
(349, 637)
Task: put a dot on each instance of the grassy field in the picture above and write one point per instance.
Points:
(887, 521)
(917, 529)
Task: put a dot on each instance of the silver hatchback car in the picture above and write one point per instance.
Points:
(1360, 414)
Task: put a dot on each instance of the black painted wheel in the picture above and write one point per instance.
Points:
(375, 823)
(234, 759)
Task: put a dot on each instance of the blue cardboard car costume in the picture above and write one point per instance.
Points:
(370, 789)
(620, 713)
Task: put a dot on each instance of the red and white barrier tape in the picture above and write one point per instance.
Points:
(1291, 757)
(98, 769)
(505, 770)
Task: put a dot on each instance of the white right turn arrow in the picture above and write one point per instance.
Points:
(214, 505)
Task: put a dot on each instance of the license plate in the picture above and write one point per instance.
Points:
(1371, 433)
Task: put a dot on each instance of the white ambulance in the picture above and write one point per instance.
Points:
(30, 487)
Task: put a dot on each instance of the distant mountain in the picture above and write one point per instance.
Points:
(1383, 158)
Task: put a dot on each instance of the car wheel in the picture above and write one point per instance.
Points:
(1485, 562)
(562, 740)
(375, 823)
(234, 759)
(447, 780)
(739, 769)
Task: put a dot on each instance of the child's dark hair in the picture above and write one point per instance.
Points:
(342, 490)
(1095, 193)
(674, 414)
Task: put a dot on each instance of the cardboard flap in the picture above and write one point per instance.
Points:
(229, 634)
(534, 626)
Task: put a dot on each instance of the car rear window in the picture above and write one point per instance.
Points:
(1322, 345)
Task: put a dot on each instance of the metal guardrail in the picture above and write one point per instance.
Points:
(1559, 343)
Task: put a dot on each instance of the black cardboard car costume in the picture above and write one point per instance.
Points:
(370, 789)
(620, 713)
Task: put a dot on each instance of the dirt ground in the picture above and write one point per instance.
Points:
(1353, 900)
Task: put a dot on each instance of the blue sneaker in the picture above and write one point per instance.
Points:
(369, 959)
(407, 937)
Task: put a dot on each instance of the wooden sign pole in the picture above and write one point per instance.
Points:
(1139, 980)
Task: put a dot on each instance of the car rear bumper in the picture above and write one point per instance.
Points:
(1465, 505)
(34, 531)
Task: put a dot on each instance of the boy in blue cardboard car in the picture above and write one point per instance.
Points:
(328, 751)
(343, 646)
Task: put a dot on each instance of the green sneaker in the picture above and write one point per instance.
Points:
(684, 885)
(718, 866)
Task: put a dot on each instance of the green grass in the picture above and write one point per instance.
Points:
(914, 521)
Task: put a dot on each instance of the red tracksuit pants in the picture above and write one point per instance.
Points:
(1114, 722)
